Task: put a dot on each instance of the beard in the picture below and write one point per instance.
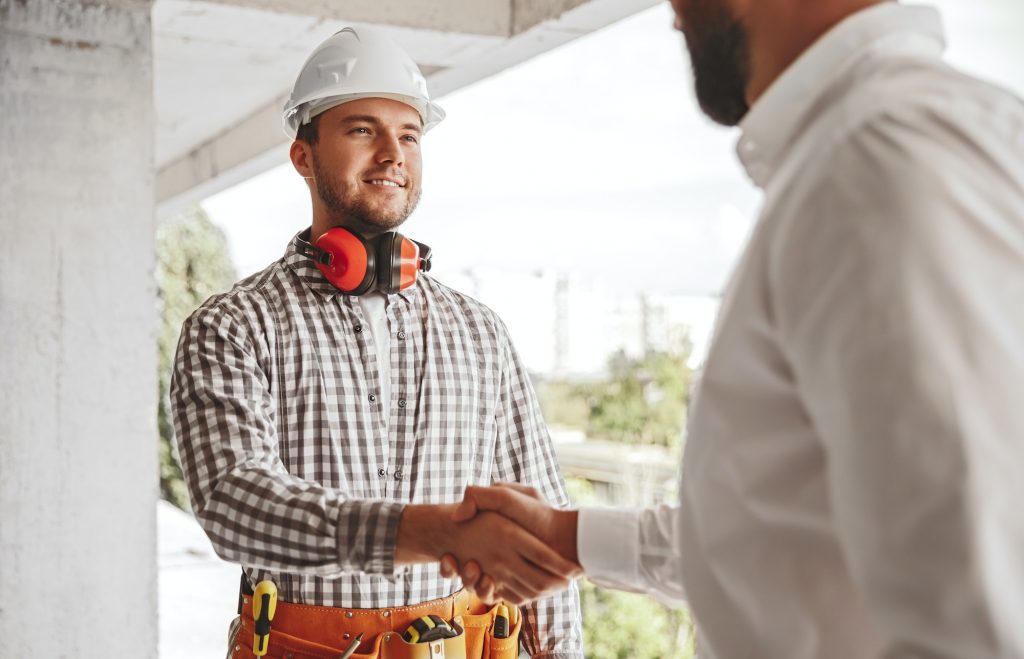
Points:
(720, 55)
(350, 208)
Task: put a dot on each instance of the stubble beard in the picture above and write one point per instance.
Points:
(720, 56)
(351, 209)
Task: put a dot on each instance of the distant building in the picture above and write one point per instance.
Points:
(565, 326)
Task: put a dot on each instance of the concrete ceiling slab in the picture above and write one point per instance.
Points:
(222, 68)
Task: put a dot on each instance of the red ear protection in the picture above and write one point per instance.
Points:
(355, 265)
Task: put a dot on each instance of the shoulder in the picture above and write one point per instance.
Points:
(457, 303)
(911, 138)
(241, 311)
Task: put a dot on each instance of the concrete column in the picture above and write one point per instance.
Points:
(78, 457)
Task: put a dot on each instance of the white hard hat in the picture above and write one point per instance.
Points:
(354, 64)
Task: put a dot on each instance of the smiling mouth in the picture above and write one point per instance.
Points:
(385, 183)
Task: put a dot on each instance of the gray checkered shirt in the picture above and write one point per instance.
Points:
(297, 472)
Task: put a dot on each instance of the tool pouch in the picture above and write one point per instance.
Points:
(475, 641)
(480, 641)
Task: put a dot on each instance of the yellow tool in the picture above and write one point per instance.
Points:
(264, 604)
(427, 629)
(501, 622)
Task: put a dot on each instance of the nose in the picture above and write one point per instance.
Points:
(389, 150)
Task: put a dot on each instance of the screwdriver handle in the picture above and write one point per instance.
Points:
(264, 605)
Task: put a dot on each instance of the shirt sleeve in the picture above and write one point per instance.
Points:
(633, 550)
(552, 627)
(253, 510)
(900, 302)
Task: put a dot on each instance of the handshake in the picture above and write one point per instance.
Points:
(505, 542)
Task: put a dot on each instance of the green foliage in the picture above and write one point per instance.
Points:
(644, 400)
(192, 264)
(618, 625)
(562, 404)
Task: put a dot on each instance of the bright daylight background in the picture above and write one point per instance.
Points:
(584, 198)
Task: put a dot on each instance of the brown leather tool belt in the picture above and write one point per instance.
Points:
(301, 631)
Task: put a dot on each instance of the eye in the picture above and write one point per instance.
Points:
(411, 138)
(362, 130)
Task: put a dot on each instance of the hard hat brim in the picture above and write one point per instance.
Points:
(305, 110)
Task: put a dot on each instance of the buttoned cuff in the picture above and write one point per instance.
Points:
(368, 535)
(607, 543)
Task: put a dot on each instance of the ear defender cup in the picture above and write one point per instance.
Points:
(352, 264)
(398, 263)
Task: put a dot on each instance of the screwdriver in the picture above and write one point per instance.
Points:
(264, 604)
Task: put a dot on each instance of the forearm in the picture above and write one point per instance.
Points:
(425, 533)
(269, 519)
(633, 550)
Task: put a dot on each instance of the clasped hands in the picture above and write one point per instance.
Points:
(532, 554)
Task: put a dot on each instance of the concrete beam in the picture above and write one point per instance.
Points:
(485, 17)
(78, 437)
(251, 147)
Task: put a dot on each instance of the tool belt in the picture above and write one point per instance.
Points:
(302, 631)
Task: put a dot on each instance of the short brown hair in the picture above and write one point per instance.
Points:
(309, 133)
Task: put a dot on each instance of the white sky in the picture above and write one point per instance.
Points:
(591, 159)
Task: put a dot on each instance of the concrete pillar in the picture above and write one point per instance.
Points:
(78, 457)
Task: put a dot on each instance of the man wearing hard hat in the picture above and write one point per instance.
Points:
(331, 410)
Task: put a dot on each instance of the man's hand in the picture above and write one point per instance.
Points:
(524, 506)
(521, 567)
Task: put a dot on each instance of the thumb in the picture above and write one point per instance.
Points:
(517, 507)
(467, 509)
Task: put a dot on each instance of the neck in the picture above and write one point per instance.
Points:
(323, 222)
(781, 31)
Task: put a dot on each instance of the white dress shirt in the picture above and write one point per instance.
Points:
(854, 474)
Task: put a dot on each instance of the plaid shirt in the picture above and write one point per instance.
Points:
(297, 472)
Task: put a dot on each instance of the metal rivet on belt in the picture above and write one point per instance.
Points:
(348, 614)
(386, 614)
(346, 636)
(387, 638)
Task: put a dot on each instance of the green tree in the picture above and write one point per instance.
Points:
(643, 401)
(192, 264)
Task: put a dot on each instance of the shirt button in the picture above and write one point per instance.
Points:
(401, 335)
(381, 473)
(358, 328)
(398, 475)
(401, 402)
(372, 397)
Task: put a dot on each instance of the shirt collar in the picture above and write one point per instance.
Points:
(310, 275)
(774, 120)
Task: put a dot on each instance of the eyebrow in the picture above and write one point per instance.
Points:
(368, 119)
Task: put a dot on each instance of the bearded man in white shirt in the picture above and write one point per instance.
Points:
(855, 452)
